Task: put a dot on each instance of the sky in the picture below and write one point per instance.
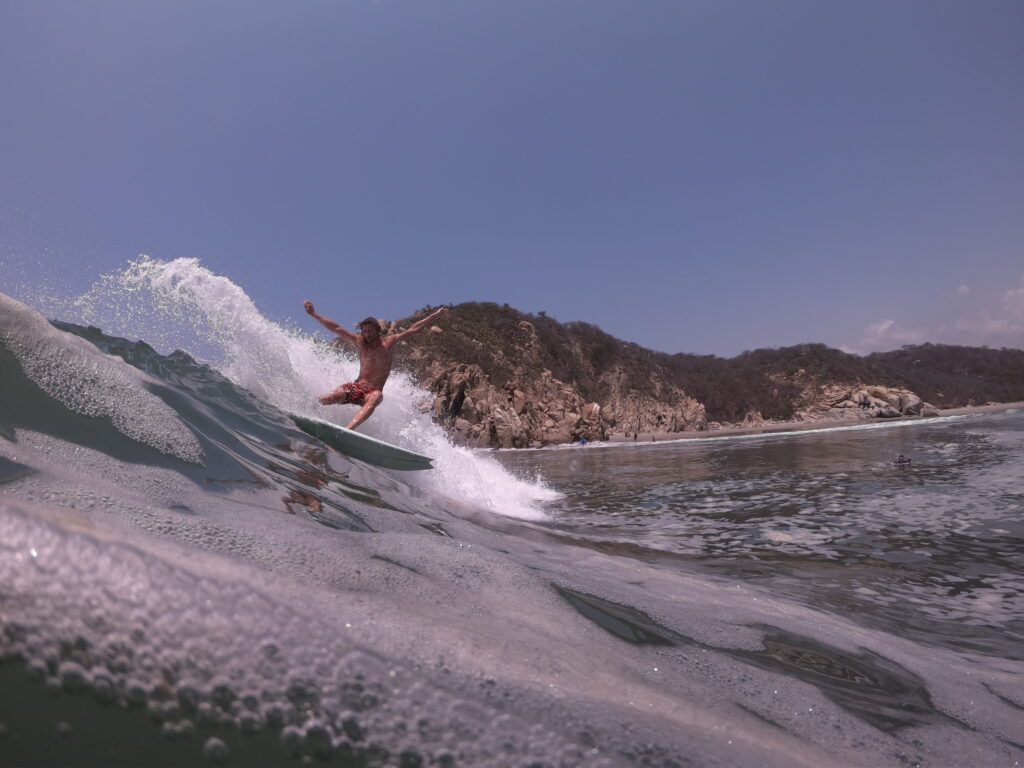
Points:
(705, 176)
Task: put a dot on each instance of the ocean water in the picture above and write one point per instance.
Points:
(186, 578)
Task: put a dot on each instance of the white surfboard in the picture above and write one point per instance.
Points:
(362, 447)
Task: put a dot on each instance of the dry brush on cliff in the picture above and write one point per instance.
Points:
(504, 378)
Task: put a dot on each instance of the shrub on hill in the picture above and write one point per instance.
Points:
(768, 381)
(951, 376)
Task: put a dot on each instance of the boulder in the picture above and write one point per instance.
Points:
(753, 418)
(910, 404)
(836, 402)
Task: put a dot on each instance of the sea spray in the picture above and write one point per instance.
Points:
(180, 304)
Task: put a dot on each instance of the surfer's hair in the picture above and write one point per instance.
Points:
(371, 321)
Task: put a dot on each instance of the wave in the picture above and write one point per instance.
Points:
(182, 305)
(76, 374)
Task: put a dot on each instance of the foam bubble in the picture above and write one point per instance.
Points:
(86, 631)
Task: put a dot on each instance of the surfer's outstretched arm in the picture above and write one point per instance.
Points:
(329, 324)
(418, 325)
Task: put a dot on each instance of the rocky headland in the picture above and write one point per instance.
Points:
(505, 379)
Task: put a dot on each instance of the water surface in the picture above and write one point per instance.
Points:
(185, 576)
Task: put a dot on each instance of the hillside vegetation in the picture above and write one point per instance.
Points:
(507, 350)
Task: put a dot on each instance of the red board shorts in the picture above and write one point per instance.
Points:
(353, 393)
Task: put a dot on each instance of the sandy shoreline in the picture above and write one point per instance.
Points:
(800, 426)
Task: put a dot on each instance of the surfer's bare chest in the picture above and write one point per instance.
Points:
(374, 363)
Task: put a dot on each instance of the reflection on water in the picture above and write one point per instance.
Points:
(932, 551)
(623, 621)
(875, 689)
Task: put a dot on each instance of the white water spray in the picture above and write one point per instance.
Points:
(181, 304)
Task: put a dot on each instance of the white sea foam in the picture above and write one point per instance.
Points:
(182, 304)
(93, 384)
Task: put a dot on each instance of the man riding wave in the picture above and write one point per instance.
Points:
(375, 359)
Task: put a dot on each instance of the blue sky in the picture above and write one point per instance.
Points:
(692, 176)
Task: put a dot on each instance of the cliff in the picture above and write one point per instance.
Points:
(503, 378)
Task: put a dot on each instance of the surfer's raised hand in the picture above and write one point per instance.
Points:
(329, 324)
(417, 326)
(435, 313)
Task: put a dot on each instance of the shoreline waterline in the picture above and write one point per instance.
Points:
(806, 426)
(778, 428)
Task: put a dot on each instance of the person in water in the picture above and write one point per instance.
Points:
(375, 359)
(903, 459)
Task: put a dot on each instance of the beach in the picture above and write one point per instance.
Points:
(804, 426)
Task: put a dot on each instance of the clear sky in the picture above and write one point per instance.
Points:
(705, 176)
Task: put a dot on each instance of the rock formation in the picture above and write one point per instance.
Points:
(668, 409)
(845, 402)
(533, 408)
(523, 412)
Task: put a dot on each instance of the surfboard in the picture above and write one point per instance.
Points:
(362, 447)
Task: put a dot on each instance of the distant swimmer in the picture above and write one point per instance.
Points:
(901, 459)
(375, 360)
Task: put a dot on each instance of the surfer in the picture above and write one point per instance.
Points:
(375, 360)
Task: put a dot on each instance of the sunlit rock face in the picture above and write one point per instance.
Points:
(852, 402)
(533, 407)
(524, 412)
